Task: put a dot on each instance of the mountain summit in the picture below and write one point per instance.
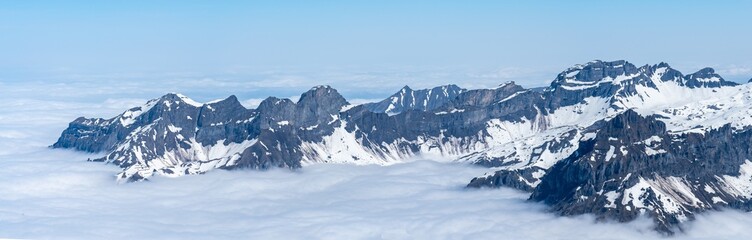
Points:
(423, 100)
(605, 138)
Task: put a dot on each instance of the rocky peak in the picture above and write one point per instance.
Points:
(580, 159)
(318, 105)
(662, 65)
(663, 72)
(705, 72)
(180, 99)
(232, 101)
(631, 125)
(225, 106)
(224, 109)
(596, 71)
(409, 99)
(486, 97)
(271, 103)
(321, 100)
(706, 77)
(595, 79)
(620, 80)
(510, 86)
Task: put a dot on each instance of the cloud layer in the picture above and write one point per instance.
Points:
(54, 194)
(48, 193)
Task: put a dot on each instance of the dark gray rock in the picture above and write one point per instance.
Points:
(408, 99)
(706, 77)
(479, 98)
(616, 168)
(633, 167)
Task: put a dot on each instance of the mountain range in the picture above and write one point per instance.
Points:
(605, 138)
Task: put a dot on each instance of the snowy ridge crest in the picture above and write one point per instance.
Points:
(605, 138)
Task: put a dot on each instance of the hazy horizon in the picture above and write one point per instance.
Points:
(284, 48)
(56, 193)
(67, 59)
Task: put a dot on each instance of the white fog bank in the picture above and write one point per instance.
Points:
(56, 194)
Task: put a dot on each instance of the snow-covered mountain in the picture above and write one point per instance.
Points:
(607, 138)
(408, 99)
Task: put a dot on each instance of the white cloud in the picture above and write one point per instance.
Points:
(251, 103)
(359, 101)
(257, 83)
(734, 70)
(254, 102)
(56, 194)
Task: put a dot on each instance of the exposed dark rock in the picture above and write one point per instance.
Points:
(605, 160)
(706, 77)
(408, 99)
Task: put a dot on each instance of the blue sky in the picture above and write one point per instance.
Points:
(420, 43)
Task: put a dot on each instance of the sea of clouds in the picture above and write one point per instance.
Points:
(46, 193)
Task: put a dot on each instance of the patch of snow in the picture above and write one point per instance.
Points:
(610, 153)
(188, 100)
(173, 128)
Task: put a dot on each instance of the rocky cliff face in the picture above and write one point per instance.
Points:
(422, 100)
(605, 138)
(630, 165)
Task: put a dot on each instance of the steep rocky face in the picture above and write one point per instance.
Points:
(175, 136)
(422, 100)
(706, 77)
(226, 120)
(485, 97)
(525, 161)
(458, 127)
(617, 82)
(186, 137)
(595, 79)
(605, 138)
(317, 106)
(665, 73)
(91, 135)
(96, 134)
(632, 166)
(285, 126)
(315, 111)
